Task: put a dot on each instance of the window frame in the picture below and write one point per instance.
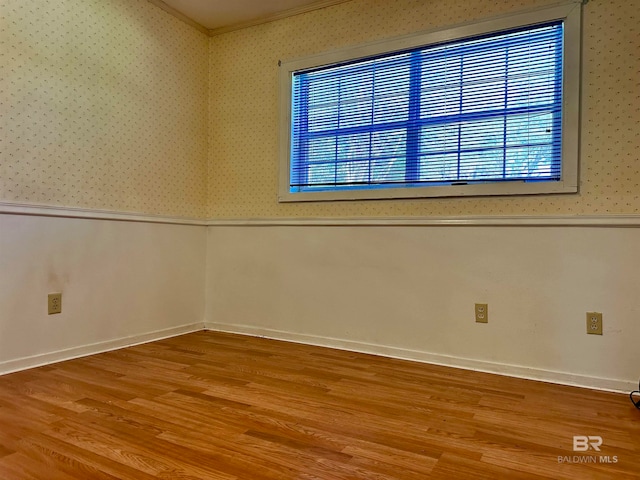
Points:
(570, 14)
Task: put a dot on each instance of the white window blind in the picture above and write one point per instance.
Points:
(481, 109)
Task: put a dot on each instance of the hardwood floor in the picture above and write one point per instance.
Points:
(219, 406)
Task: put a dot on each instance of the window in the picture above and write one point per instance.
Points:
(483, 109)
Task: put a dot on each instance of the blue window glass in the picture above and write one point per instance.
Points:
(477, 110)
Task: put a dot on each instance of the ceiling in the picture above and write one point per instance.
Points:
(226, 15)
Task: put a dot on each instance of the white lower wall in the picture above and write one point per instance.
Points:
(122, 282)
(409, 291)
(404, 291)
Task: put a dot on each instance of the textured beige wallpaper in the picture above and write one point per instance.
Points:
(103, 104)
(243, 128)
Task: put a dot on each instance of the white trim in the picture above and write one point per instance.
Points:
(249, 23)
(518, 371)
(25, 363)
(276, 16)
(570, 13)
(562, 378)
(180, 16)
(632, 220)
(92, 214)
(611, 221)
(471, 28)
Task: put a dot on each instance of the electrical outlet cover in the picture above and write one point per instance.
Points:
(54, 303)
(594, 323)
(482, 313)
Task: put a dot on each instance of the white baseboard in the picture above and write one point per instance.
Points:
(562, 378)
(94, 348)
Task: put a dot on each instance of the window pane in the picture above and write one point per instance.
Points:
(474, 110)
(530, 129)
(389, 143)
(323, 174)
(322, 90)
(392, 107)
(387, 169)
(483, 80)
(356, 105)
(323, 103)
(353, 172)
(536, 161)
(324, 117)
(391, 80)
(440, 138)
(440, 86)
(532, 74)
(443, 167)
(482, 165)
(531, 92)
(322, 149)
(388, 156)
(482, 134)
(353, 146)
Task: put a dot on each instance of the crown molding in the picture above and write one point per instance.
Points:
(276, 16)
(180, 16)
(251, 23)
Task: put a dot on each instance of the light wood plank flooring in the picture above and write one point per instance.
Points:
(219, 406)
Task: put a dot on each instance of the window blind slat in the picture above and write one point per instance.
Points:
(480, 109)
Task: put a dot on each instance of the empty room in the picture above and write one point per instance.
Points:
(319, 239)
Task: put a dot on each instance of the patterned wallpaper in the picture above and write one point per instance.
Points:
(103, 104)
(243, 128)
